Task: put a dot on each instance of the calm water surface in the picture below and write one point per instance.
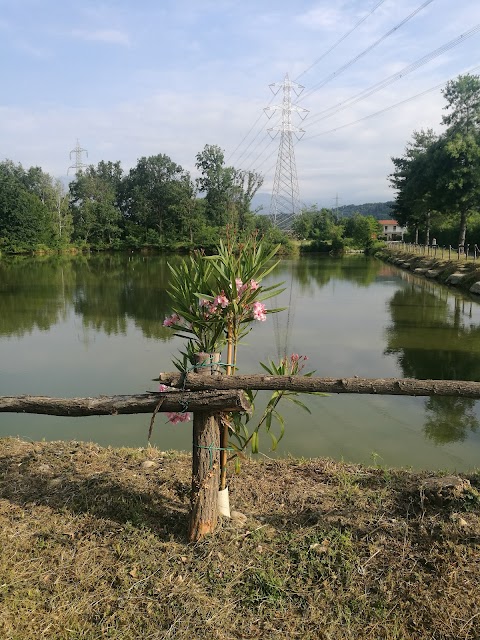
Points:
(88, 326)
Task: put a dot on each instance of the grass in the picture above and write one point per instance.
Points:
(93, 545)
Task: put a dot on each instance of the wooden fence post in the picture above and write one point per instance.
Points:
(205, 475)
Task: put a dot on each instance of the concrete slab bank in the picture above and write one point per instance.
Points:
(461, 275)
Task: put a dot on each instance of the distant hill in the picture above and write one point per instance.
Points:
(379, 210)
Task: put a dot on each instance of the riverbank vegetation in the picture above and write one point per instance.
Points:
(437, 180)
(93, 542)
(156, 205)
(324, 230)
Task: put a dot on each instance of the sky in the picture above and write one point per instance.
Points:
(131, 79)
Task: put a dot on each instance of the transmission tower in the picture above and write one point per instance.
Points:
(285, 202)
(78, 164)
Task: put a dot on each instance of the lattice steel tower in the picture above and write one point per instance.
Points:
(78, 164)
(285, 202)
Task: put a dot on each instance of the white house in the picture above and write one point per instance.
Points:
(391, 230)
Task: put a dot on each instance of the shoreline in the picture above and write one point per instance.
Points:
(462, 275)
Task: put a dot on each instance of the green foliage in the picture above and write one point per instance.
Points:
(439, 176)
(244, 437)
(153, 206)
(228, 191)
(214, 298)
(363, 230)
(319, 226)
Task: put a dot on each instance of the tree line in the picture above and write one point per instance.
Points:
(154, 204)
(437, 180)
(328, 231)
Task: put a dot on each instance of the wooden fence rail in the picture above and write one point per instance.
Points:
(208, 396)
(381, 386)
(195, 401)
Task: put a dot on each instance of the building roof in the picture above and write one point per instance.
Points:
(385, 222)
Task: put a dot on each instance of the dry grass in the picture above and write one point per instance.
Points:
(92, 545)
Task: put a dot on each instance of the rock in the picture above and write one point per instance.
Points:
(148, 464)
(444, 488)
(475, 288)
(238, 518)
(455, 278)
(420, 270)
(432, 273)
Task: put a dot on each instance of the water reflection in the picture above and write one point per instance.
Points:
(106, 291)
(432, 336)
(90, 325)
(33, 295)
(310, 274)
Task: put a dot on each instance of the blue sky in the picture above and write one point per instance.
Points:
(130, 79)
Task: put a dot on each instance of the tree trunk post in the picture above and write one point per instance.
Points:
(205, 475)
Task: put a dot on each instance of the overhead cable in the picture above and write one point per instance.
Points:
(340, 40)
(365, 51)
(366, 93)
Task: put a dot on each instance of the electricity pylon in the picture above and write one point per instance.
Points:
(285, 202)
(78, 164)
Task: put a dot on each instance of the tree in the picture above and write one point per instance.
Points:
(228, 191)
(442, 173)
(96, 215)
(414, 178)
(157, 196)
(318, 225)
(25, 220)
(460, 176)
(363, 230)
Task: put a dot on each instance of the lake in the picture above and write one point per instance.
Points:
(92, 325)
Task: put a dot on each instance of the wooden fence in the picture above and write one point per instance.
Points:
(208, 397)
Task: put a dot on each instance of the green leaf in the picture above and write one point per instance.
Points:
(300, 404)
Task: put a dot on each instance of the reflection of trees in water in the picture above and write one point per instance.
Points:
(113, 289)
(105, 290)
(33, 294)
(317, 271)
(449, 419)
(431, 340)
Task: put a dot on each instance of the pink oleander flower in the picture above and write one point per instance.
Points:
(241, 287)
(259, 312)
(221, 300)
(294, 357)
(239, 284)
(203, 303)
(175, 417)
(163, 387)
(171, 320)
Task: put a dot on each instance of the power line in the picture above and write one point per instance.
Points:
(393, 106)
(248, 133)
(367, 50)
(331, 111)
(340, 40)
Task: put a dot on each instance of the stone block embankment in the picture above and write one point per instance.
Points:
(461, 275)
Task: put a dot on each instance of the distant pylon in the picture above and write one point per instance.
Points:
(285, 202)
(78, 164)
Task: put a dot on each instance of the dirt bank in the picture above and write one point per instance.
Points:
(92, 544)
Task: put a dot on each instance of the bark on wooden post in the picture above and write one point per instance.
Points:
(205, 459)
(205, 475)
